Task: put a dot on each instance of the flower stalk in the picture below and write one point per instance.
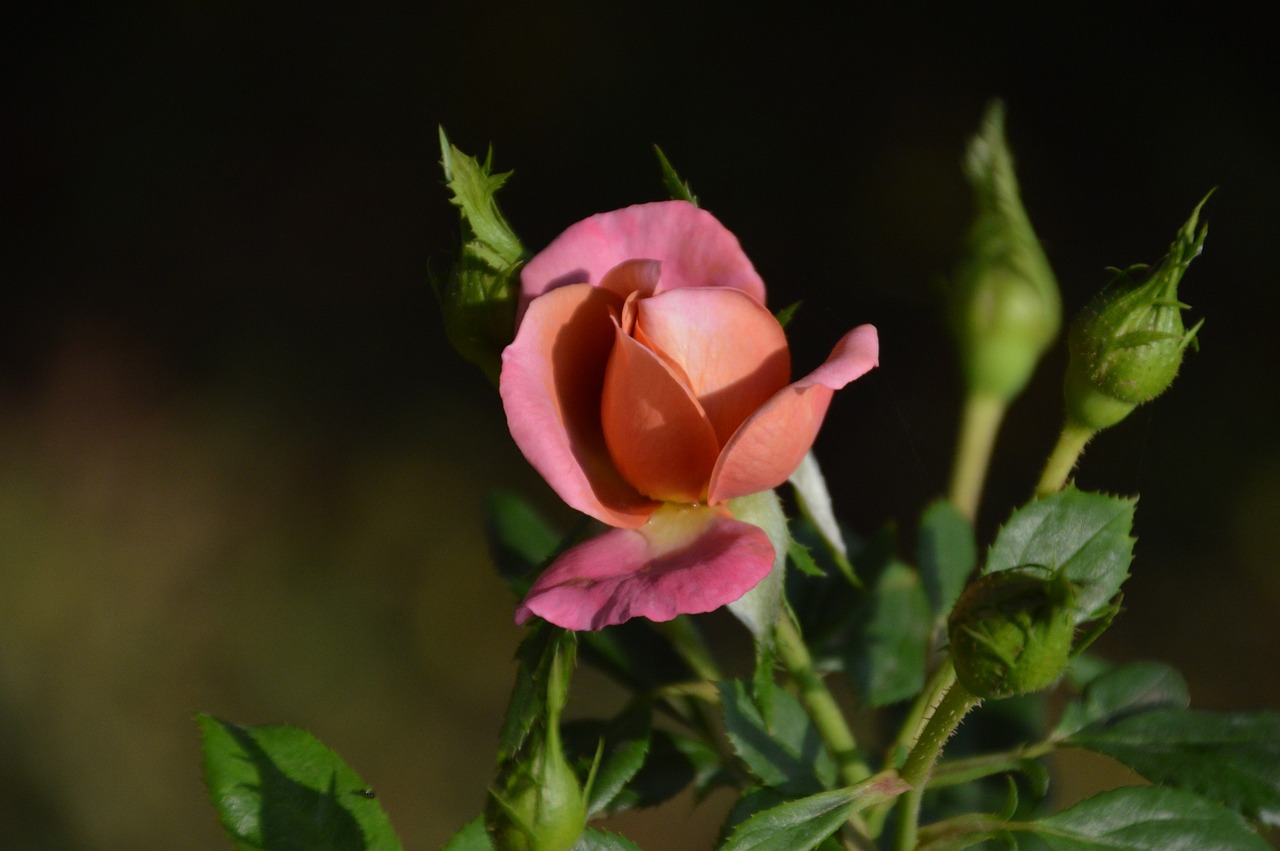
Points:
(818, 699)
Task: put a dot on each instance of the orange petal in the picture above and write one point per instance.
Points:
(632, 276)
(772, 442)
(552, 378)
(657, 433)
(727, 345)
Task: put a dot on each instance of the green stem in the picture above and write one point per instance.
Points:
(947, 715)
(979, 424)
(826, 714)
(1063, 458)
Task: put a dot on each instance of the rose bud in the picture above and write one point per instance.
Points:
(1127, 344)
(651, 388)
(1011, 632)
(1004, 308)
(536, 802)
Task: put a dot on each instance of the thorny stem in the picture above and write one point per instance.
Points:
(955, 703)
(978, 427)
(1063, 458)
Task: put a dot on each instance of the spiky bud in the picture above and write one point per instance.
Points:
(1126, 346)
(1011, 632)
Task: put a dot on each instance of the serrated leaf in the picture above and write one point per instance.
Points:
(1148, 818)
(1084, 534)
(888, 640)
(1230, 757)
(599, 840)
(623, 746)
(788, 755)
(763, 684)
(1125, 690)
(519, 539)
(802, 824)
(673, 762)
(946, 554)
(472, 837)
(532, 698)
(277, 788)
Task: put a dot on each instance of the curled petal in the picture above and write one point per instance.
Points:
(728, 347)
(694, 249)
(657, 434)
(684, 561)
(773, 441)
(552, 378)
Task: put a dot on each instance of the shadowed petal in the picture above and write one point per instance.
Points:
(552, 378)
(684, 561)
(657, 434)
(632, 276)
(728, 346)
(773, 441)
(695, 250)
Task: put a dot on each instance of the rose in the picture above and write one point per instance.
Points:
(648, 384)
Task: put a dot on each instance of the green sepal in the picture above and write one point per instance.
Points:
(279, 788)
(678, 189)
(479, 296)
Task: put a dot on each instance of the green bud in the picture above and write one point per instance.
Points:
(1005, 309)
(1127, 344)
(536, 802)
(479, 296)
(1011, 632)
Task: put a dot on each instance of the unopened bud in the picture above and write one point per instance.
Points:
(1011, 632)
(1005, 308)
(1127, 344)
(536, 803)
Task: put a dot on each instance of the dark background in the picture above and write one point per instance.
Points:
(241, 470)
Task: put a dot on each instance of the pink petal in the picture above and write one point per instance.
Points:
(552, 378)
(694, 249)
(657, 434)
(729, 348)
(772, 442)
(684, 561)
